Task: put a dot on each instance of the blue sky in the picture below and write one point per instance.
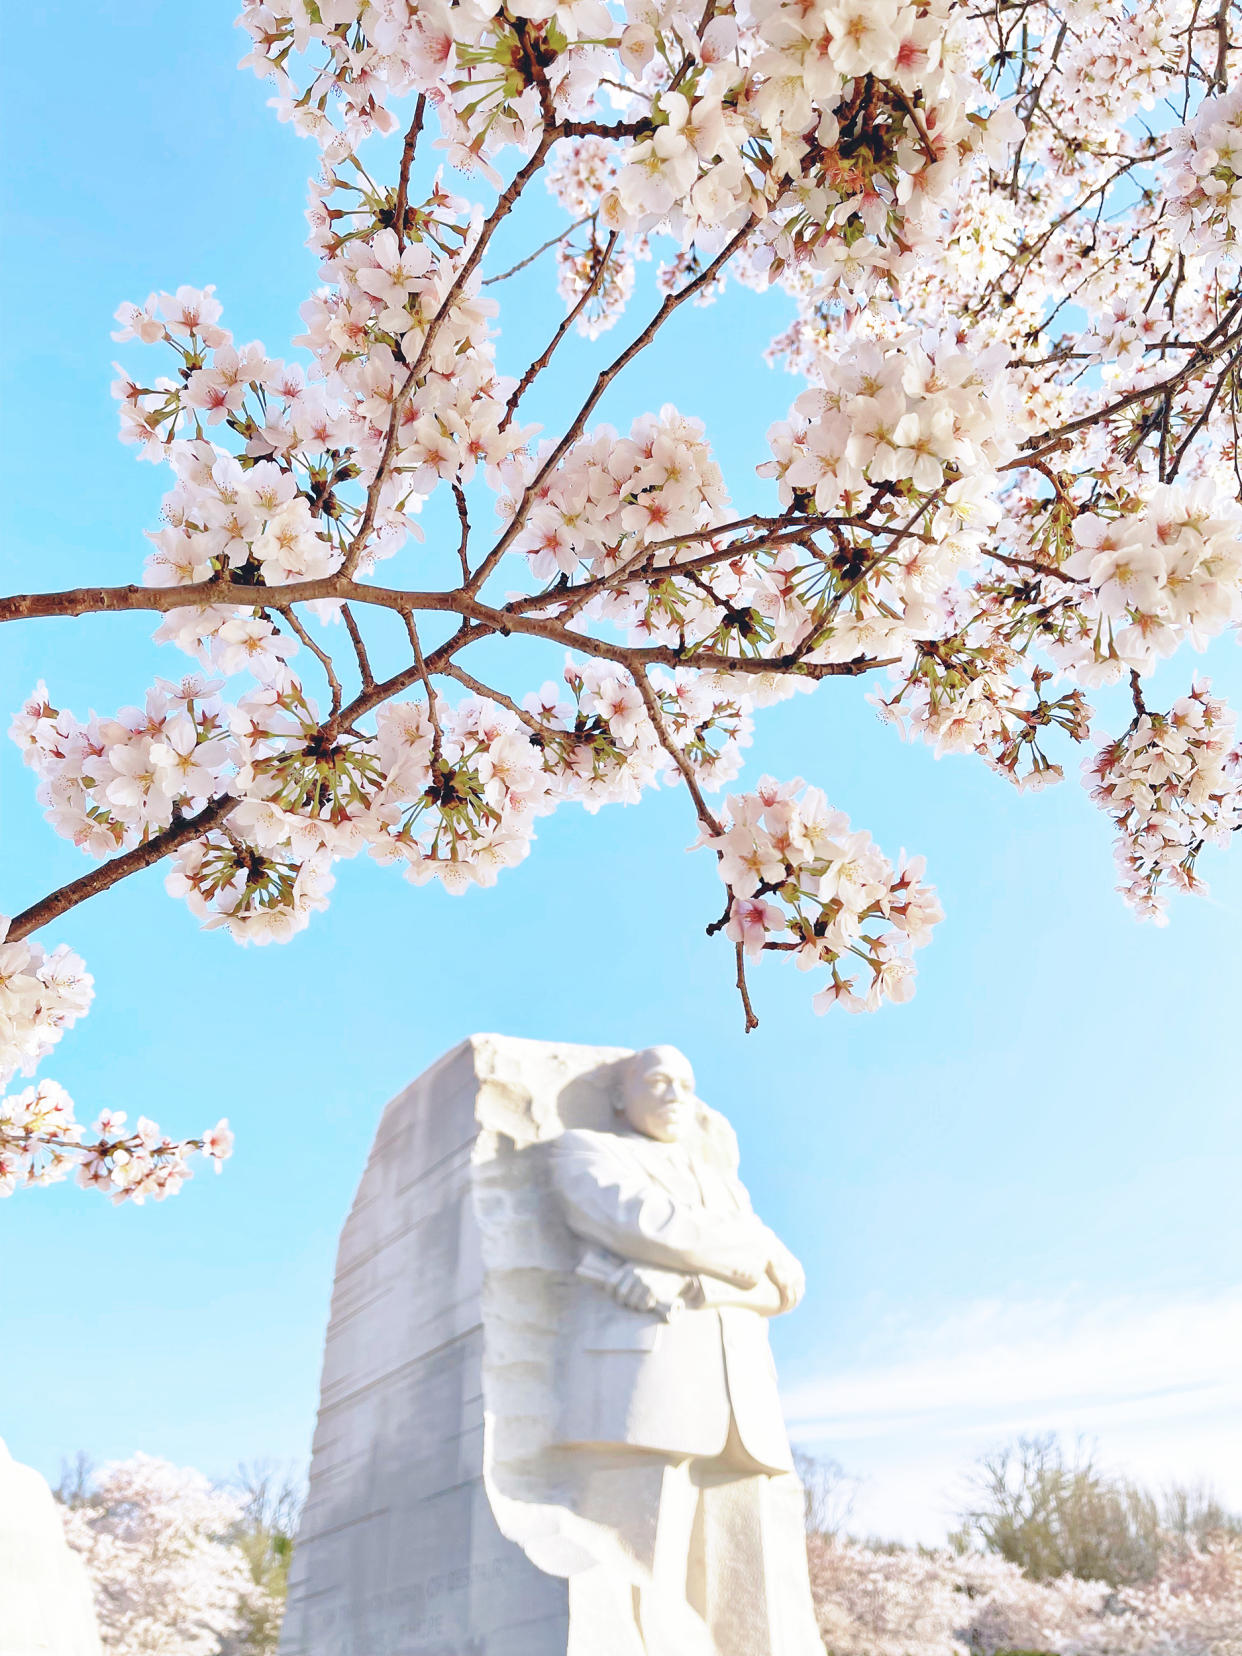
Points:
(1015, 1197)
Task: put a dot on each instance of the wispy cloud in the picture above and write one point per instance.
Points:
(1157, 1382)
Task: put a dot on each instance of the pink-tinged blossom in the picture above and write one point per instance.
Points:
(41, 1142)
(838, 901)
(751, 919)
(1172, 784)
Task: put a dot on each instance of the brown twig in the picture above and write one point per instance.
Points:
(530, 258)
(360, 649)
(407, 161)
(437, 735)
(708, 820)
(463, 517)
(542, 360)
(476, 687)
(1220, 78)
(1136, 694)
(325, 660)
(752, 1021)
(602, 382)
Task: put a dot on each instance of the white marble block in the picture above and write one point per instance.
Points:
(548, 1420)
(399, 1552)
(46, 1606)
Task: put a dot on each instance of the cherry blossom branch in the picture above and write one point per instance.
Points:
(495, 218)
(602, 382)
(1046, 442)
(544, 358)
(200, 594)
(1098, 266)
(675, 753)
(213, 814)
(108, 600)
(118, 868)
(554, 241)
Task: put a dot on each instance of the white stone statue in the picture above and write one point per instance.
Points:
(46, 1606)
(668, 1461)
(549, 1423)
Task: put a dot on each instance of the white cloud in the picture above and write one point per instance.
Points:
(1156, 1383)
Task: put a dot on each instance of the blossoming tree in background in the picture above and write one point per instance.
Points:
(181, 1568)
(1012, 476)
(170, 1578)
(878, 1601)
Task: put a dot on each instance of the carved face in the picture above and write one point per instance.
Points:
(659, 1094)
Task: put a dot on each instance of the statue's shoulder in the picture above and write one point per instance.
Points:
(585, 1141)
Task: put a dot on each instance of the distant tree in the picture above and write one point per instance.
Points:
(829, 1492)
(1055, 1515)
(77, 1477)
(914, 1602)
(265, 1533)
(168, 1578)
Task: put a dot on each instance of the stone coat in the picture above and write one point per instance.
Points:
(631, 1377)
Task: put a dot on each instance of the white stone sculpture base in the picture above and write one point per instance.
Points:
(46, 1607)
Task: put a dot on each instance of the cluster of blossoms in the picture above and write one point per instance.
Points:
(837, 895)
(41, 995)
(1204, 181)
(899, 1603)
(909, 437)
(1010, 477)
(279, 512)
(1172, 784)
(41, 1142)
(612, 500)
(449, 792)
(818, 123)
(112, 782)
(168, 1577)
(969, 695)
(1166, 572)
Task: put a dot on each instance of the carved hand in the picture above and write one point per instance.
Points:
(631, 1287)
(785, 1271)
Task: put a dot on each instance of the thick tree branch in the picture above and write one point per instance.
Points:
(118, 868)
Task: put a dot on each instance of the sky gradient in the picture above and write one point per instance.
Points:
(1016, 1197)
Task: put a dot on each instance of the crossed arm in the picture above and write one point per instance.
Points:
(608, 1202)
